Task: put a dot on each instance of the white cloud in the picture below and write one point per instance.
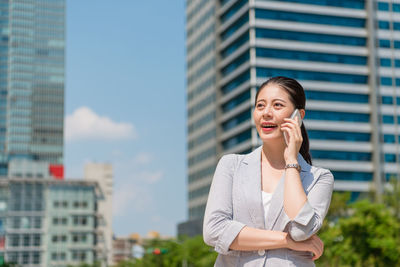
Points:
(131, 198)
(85, 124)
(151, 177)
(143, 158)
(133, 193)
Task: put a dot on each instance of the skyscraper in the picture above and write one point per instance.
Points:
(43, 221)
(32, 81)
(344, 53)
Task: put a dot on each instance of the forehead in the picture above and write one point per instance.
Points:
(273, 91)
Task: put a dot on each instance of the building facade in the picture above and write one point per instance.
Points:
(344, 53)
(32, 48)
(47, 222)
(102, 173)
(122, 249)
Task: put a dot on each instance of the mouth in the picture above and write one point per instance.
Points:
(267, 126)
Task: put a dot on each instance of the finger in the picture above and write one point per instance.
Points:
(292, 125)
(289, 134)
(294, 121)
(319, 251)
(316, 255)
(293, 132)
(297, 128)
(317, 248)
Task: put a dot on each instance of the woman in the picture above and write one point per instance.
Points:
(264, 208)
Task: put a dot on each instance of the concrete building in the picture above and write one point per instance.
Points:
(122, 249)
(344, 53)
(102, 173)
(49, 222)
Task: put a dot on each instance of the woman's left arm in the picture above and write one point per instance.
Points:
(306, 213)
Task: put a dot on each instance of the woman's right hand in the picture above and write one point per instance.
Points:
(314, 244)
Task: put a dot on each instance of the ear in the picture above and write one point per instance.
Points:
(302, 113)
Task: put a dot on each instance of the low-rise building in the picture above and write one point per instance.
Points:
(122, 249)
(49, 222)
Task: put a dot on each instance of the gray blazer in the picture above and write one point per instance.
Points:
(235, 201)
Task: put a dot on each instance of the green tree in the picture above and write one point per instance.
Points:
(369, 235)
(190, 252)
(391, 197)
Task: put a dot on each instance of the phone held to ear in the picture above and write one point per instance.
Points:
(296, 113)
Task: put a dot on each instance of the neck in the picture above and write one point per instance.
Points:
(273, 153)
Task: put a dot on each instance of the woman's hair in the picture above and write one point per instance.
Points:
(298, 98)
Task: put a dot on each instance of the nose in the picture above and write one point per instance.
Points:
(267, 111)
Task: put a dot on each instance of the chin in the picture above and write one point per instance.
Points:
(271, 138)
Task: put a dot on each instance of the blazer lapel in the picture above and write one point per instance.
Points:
(250, 175)
(276, 206)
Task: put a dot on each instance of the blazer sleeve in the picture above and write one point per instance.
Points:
(310, 217)
(219, 228)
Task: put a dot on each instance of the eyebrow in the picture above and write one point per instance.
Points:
(276, 99)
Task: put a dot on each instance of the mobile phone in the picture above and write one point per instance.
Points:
(296, 113)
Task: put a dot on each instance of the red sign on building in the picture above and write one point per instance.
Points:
(57, 171)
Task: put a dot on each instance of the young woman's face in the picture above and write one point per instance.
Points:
(272, 106)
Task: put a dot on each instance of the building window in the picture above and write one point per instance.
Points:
(37, 222)
(79, 255)
(80, 220)
(27, 240)
(79, 238)
(13, 257)
(60, 220)
(59, 238)
(25, 258)
(78, 204)
(36, 257)
(36, 240)
(14, 240)
(16, 223)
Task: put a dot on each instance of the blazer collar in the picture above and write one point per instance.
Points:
(251, 184)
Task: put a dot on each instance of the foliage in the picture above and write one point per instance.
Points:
(360, 234)
(188, 252)
(8, 264)
(391, 197)
(95, 264)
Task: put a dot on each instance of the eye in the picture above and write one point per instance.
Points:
(278, 105)
(260, 105)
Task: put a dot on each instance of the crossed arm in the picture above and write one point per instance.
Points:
(228, 235)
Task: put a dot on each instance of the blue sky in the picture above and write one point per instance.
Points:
(125, 105)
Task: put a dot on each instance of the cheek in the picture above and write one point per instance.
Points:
(256, 116)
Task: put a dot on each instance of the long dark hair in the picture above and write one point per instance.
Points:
(298, 98)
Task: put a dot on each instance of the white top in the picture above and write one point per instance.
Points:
(266, 199)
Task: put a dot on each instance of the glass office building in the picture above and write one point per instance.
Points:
(345, 53)
(32, 35)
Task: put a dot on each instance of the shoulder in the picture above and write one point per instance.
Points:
(230, 159)
(322, 174)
